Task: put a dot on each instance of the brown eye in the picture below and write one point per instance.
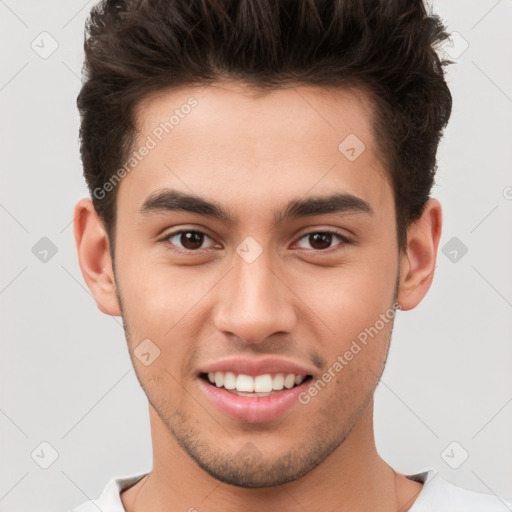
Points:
(187, 239)
(322, 240)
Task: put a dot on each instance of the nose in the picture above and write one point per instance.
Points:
(255, 301)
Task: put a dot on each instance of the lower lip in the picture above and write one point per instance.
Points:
(253, 409)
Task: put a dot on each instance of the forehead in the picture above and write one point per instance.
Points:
(226, 139)
(271, 120)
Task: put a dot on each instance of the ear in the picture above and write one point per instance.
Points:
(94, 257)
(418, 261)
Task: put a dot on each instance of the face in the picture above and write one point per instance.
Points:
(251, 286)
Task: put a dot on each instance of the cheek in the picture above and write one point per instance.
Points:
(350, 298)
(156, 296)
(162, 304)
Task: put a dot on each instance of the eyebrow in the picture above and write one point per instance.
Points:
(168, 200)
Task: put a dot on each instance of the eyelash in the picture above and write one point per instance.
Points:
(330, 250)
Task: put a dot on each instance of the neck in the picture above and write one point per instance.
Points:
(354, 477)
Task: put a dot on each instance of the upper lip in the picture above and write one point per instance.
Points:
(253, 367)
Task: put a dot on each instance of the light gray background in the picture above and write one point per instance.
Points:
(66, 377)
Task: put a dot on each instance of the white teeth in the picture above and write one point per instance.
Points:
(219, 379)
(244, 383)
(229, 380)
(265, 383)
(289, 381)
(278, 382)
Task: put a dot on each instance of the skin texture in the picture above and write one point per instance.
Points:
(253, 153)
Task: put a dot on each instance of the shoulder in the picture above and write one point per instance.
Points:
(442, 496)
(110, 498)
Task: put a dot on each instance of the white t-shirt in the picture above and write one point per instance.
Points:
(437, 495)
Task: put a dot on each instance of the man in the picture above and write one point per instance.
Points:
(260, 175)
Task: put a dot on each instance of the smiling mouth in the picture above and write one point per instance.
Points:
(254, 386)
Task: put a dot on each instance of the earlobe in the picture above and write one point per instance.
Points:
(418, 262)
(94, 257)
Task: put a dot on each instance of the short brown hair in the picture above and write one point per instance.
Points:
(387, 47)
